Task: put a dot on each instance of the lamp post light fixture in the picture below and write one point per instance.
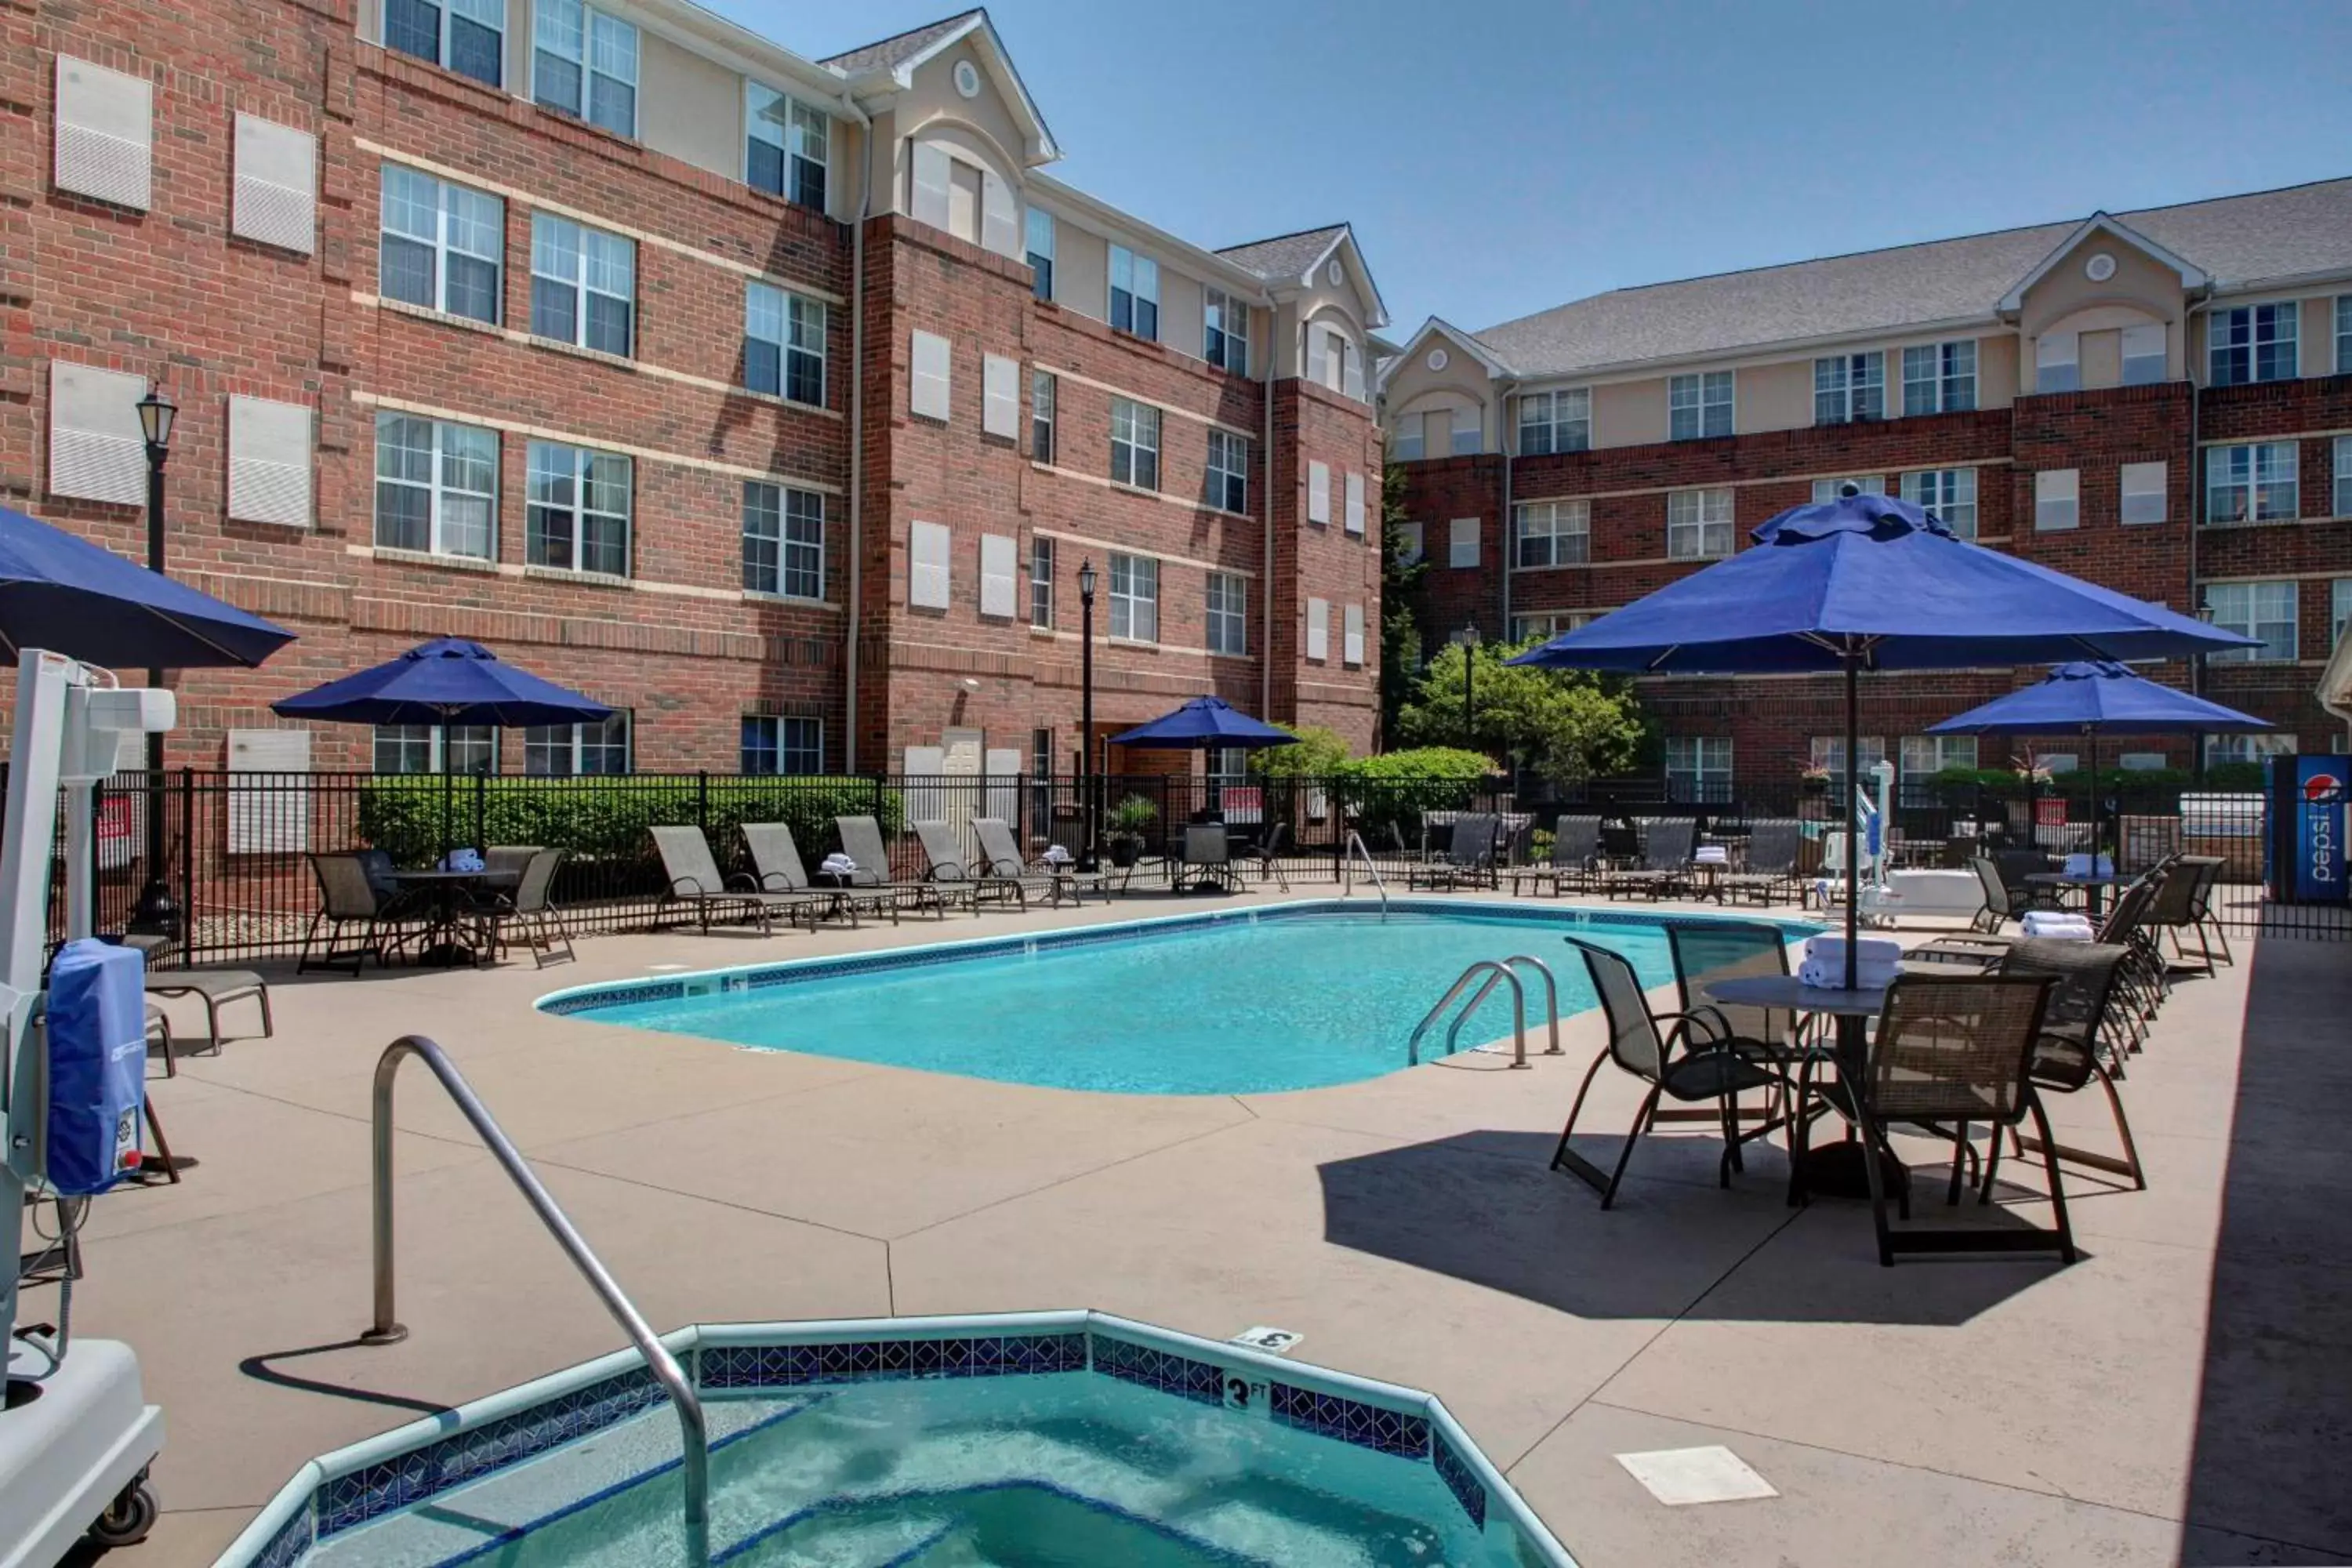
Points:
(1468, 638)
(155, 913)
(1087, 782)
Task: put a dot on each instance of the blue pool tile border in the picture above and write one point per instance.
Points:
(1373, 1426)
(1159, 1369)
(729, 1367)
(291, 1544)
(1459, 1478)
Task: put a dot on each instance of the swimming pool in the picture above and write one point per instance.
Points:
(1279, 996)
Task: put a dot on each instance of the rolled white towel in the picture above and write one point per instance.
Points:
(2053, 920)
(838, 864)
(1867, 950)
(1057, 855)
(1710, 855)
(1831, 975)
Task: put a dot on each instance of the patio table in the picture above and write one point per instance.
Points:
(454, 945)
(1838, 1168)
(2094, 888)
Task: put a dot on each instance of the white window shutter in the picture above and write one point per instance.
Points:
(1318, 354)
(1000, 220)
(928, 394)
(996, 575)
(1351, 650)
(931, 178)
(105, 133)
(926, 577)
(1000, 396)
(270, 461)
(1319, 628)
(1318, 492)
(275, 199)
(1462, 541)
(1355, 503)
(1351, 377)
(96, 449)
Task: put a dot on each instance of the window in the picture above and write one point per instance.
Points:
(1040, 416)
(584, 284)
(2247, 748)
(1134, 597)
(2344, 473)
(2142, 487)
(1227, 331)
(1135, 443)
(1863, 484)
(2057, 365)
(570, 750)
(785, 153)
(1134, 293)
(1939, 378)
(1554, 533)
(1924, 756)
(1554, 421)
(419, 749)
(1462, 542)
(1829, 751)
(2252, 343)
(1228, 765)
(2339, 609)
(1041, 755)
(2343, 334)
(2142, 762)
(2143, 354)
(1699, 405)
(1549, 625)
(793, 748)
(1405, 441)
(1698, 767)
(579, 509)
(2264, 610)
(1041, 254)
(2056, 500)
(468, 37)
(1698, 524)
(1468, 439)
(437, 487)
(1228, 472)
(784, 540)
(1411, 542)
(585, 65)
(1228, 613)
(1950, 493)
(1848, 388)
(783, 344)
(441, 245)
(2251, 484)
(1041, 584)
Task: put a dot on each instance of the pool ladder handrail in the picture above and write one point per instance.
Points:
(387, 1330)
(1349, 853)
(1497, 971)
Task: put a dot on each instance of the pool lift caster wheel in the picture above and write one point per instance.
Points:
(128, 1518)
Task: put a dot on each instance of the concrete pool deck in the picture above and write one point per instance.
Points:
(2182, 1393)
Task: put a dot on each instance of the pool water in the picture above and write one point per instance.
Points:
(1295, 996)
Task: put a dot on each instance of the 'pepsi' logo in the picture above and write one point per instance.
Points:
(2323, 789)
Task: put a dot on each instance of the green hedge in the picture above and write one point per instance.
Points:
(607, 818)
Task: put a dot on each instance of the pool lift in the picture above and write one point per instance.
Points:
(77, 1435)
(1876, 904)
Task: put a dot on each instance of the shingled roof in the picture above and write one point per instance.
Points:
(1285, 255)
(888, 54)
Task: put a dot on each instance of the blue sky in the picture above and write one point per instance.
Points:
(1498, 159)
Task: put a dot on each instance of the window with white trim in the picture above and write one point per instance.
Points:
(2220, 749)
(2057, 363)
(1924, 756)
(1043, 393)
(782, 745)
(577, 514)
(1228, 487)
(1037, 229)
(1554, 421)
(440, 245)
(584, 284)
(2250, 343)
(1041, 584)
(1863, 484)
(1225, 329)
(783, 343)
(1698, 524)
(437, 487)
(2057, 499)
(1939, 378)
(1469, 437)
(2264, 610)
(578, 750)
(1462, 542)
(2141, 492)
(584, 64)
(2339, 610)
(1413, 543)
(1134, 443)
(2145, 354)
(1850, 388)
(468, 37)
(2343, 334)
(1699, 405)
(1553, 533)
(785, 149)
(2343, 474)
(2254, 483)
(1950, 493)
(1698, 767)
(1134, 293)
(1228, 613)
(1405, 441)
(1134, 597)
(421, 748)
(1548, 624)
(784, 540)
(1828, 751)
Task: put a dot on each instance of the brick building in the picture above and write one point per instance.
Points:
(775, 401)
(2158, 401)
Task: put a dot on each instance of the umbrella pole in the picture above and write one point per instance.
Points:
(1853, 818)
(446, 796)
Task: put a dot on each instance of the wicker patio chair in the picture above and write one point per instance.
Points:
(1575, 844)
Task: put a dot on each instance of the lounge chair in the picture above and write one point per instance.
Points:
(776, 863)
(1575, 844)
(946, 870)
(861, 840)
(1470, 857)
(694, 878)
(1769, 872)
(1665, 860)
(1206, 856)
(528, 906)
(1054, 879)
(214, 989)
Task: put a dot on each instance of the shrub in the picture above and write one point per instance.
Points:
(1398, 786)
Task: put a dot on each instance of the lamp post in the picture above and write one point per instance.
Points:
(1468, 638)
(155, 913)
(1087, 780)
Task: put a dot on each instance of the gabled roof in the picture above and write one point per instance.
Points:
(893, 61)
(888, 54)
(1292, 258)
(1438, 327)
(2191, 276)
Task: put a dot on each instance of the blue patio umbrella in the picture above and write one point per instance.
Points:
(80, 599)
(1871, 583)
(1204, 722)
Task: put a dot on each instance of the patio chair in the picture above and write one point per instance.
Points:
(1207, 856)
(1002, 854)
(2077, 1028)
(348, 897)
(1769, 872)
(2181, 891)
(2202, 922)
(213, 990)
(861, 840)
(1575, 844)
(1665, 860)
(504, 864)
(776, 863)
(1266, 854)
(1729, 950)
(2008, 895)
(694, 878)
(529, 906)
(1469, 856)
(1680, 1056)
(944, 870)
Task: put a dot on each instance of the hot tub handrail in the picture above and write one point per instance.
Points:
(387, 1329)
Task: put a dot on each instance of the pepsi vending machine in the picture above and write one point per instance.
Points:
(2303, 838)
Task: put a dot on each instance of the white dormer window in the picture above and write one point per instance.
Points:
(1134, 293)
(1405, 441)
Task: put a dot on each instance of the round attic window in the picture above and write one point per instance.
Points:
(967, 79)
(1333, 275)
(1437, 359)
(2100, 267)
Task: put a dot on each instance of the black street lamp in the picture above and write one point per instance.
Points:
(1087, 780)
(1468, 638)
(155, 913)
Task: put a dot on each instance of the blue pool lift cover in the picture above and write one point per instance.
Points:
(445, 682)
(80, 599)
(2098, 694)
(1204, 722)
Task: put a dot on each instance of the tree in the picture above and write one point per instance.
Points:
(1568, 725)
(1400, 634)
(1317, 754)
